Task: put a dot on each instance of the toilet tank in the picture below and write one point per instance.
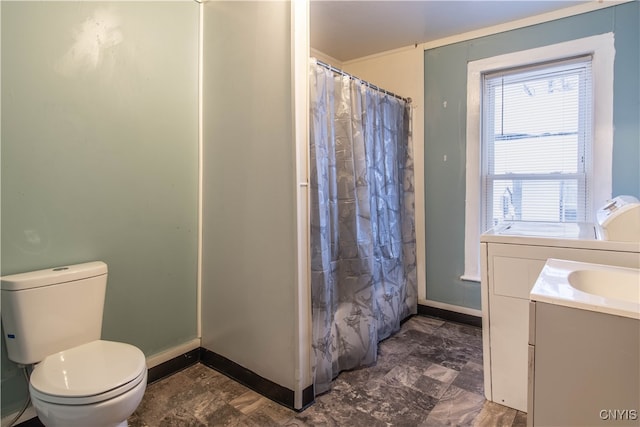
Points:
(619, 220)
(47, 311)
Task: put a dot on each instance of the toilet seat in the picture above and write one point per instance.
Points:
(89, 373)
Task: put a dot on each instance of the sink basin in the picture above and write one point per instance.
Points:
(594, 287)
(609, 283)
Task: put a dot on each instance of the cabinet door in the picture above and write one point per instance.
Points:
(509, 351)
(586, 368)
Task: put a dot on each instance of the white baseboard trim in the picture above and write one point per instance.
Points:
(450, 307)
(173, 352)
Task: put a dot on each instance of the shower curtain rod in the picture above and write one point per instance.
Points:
(366, 83)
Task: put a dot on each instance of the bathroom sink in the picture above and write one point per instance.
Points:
(608, 282)
(595, 287)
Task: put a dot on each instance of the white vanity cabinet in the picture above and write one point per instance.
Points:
(510, 265)
(584, 346)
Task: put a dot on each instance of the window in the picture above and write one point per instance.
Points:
(539, 137)
(536, 143)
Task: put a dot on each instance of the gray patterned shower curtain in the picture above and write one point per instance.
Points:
(363, 263)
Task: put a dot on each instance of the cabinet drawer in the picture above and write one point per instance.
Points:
(514, 277)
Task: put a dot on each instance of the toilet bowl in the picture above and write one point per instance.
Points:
(52, 319)
(98, 384)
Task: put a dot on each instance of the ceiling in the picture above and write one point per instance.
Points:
(347, 30)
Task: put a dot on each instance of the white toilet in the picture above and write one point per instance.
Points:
(53, 318)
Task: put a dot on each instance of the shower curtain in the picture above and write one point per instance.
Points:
(363, 264)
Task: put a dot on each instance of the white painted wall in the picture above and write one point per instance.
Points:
(251, 303)
(401, 71)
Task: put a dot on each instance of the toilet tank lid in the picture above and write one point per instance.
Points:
(52, 276)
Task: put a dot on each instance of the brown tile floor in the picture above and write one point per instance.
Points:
(428, 374)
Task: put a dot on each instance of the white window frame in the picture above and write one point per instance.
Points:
(602, 50)
(583, 161)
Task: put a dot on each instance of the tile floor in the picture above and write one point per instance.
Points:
(428, 374)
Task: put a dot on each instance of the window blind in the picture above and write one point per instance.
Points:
(537, 142)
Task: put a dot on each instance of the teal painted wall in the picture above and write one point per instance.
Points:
(99, 158)
(445, 71)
